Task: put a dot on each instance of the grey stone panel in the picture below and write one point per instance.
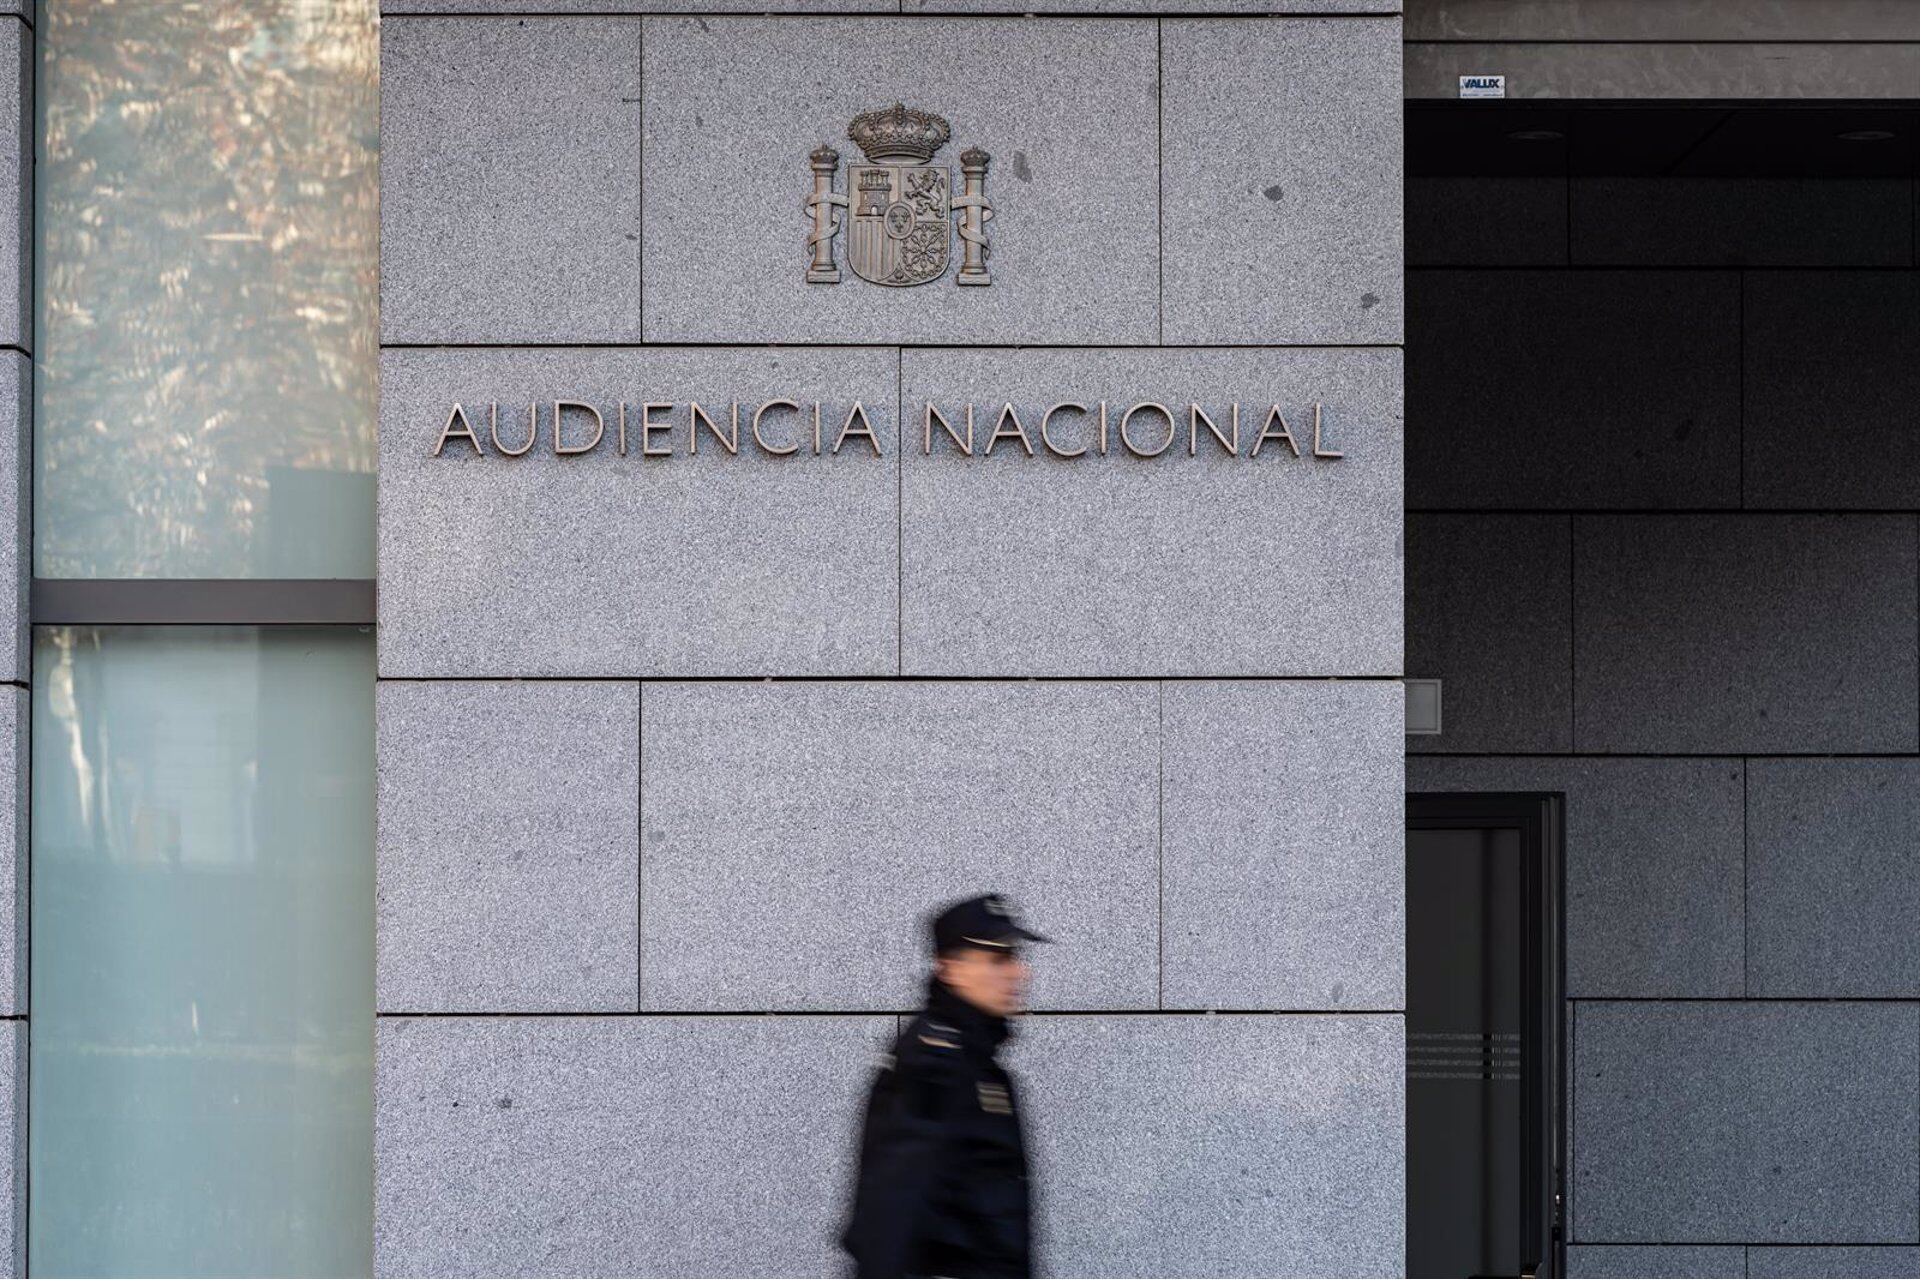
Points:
(508, 847)
(1644, 1261)
(1065, 108)
(1554, 389)
(1742, 20)
(796, 834)
(13, 1122)
(1486, 221)
(1654, 867)
(589, 1146)
(1636, 70)
(1155, 6)
(1281, 180)
(510, 180)
(1833, 1263)
(16, 514)
(1727, 1122)
(1833, 389)
(1716, 221)
(14, 715)
(1284, 845)
(1170, 565)
(16, 185)
(1223, 1145)
(392, 8)
(609, 565)
(1833, 877)
(1490, 614)
(1753, 634)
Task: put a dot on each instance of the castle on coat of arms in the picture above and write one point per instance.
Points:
(902, 206)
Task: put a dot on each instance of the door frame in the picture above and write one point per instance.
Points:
(1540, 819)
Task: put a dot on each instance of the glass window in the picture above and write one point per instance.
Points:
(201, 1061)
(207, 204)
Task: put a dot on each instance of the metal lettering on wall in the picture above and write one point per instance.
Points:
(783, 427)
(902, 204)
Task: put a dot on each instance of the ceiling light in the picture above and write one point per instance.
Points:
(1867, 135)
(1536, 135)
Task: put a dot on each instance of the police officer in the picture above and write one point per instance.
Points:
(942, 1188)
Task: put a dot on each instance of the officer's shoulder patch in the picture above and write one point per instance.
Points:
(994, 1099)
(935, 1034)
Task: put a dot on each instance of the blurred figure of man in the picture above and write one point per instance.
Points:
(942, 1187)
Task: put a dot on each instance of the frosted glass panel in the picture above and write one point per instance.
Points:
(202, 934)
(207, 341)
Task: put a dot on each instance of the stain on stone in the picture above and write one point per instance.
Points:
(1339, 989)
(1369, 300)
(1274, 192)
(506, 1103)
(1020, 169)
(702, 23)
(699, 121)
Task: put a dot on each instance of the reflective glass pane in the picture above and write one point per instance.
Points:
(206, 346)
(202, 952)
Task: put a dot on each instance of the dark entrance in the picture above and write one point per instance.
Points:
(1484, 1071)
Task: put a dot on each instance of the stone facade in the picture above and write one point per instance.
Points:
(16, 464)
(676, 750)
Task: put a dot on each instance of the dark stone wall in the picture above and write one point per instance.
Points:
(1663, 468)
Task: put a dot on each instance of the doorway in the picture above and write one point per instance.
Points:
(1485, 1075)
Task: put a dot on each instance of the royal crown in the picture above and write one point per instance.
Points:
(899, 133)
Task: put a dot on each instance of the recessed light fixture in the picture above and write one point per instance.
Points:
(1536, 135)
(1867, 135)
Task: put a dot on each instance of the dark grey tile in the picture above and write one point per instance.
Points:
(1741, 221)
(1490, 614)
(1486, 221)
(1833, 877)
(1833, 1263)
(1640, 1261)
(1555, 389)
(1630, 22)
(1833, 389)
(1653, 866)
(1747, 1122)
(1745, 633)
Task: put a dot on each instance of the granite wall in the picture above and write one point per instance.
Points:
(1661, 533)
(675, 750)
(16, 477)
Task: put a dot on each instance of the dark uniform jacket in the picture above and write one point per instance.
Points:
(942, 1186)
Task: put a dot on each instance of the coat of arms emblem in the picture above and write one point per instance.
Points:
(900, 206)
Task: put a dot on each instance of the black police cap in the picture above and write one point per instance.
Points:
(986, 921)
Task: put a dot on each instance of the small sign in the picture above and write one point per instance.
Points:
(1423, 707)
(1483, 86)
